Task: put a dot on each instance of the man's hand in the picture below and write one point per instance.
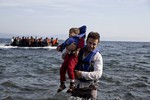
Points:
(58, 48)
(78, 74)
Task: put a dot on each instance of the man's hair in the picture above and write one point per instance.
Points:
(75, 30)
(94, 35)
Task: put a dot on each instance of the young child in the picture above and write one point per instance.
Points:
(76, 36)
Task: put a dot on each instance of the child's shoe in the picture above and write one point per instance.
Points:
(62, 87)
(71, 87)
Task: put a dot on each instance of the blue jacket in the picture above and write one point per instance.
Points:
(74, 39)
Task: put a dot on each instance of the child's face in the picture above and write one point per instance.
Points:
(71, 34)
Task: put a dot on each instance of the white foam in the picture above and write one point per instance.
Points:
(47, 47)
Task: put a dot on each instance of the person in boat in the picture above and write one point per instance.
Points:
(55, 42)
(48, 41)
(76, 36)
(31, 42)
(44, 42)
(13, 40)
(22, 42)
(17, 39)
(89, 68)
(40, 42)
(51, 41)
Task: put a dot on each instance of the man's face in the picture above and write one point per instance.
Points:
(92, 44)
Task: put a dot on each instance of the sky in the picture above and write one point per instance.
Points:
(115, 20)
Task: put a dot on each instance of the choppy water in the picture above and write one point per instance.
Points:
(33, 74)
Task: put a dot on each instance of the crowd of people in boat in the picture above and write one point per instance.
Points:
(33, 42)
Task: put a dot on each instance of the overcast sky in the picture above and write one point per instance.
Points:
(120, 20)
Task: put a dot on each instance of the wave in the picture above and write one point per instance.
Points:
(10, 47)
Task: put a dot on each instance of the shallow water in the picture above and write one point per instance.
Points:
(33, 74)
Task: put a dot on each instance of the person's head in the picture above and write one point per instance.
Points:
(92, 41)
(74, 32)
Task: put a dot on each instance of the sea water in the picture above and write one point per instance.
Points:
(33, 73)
